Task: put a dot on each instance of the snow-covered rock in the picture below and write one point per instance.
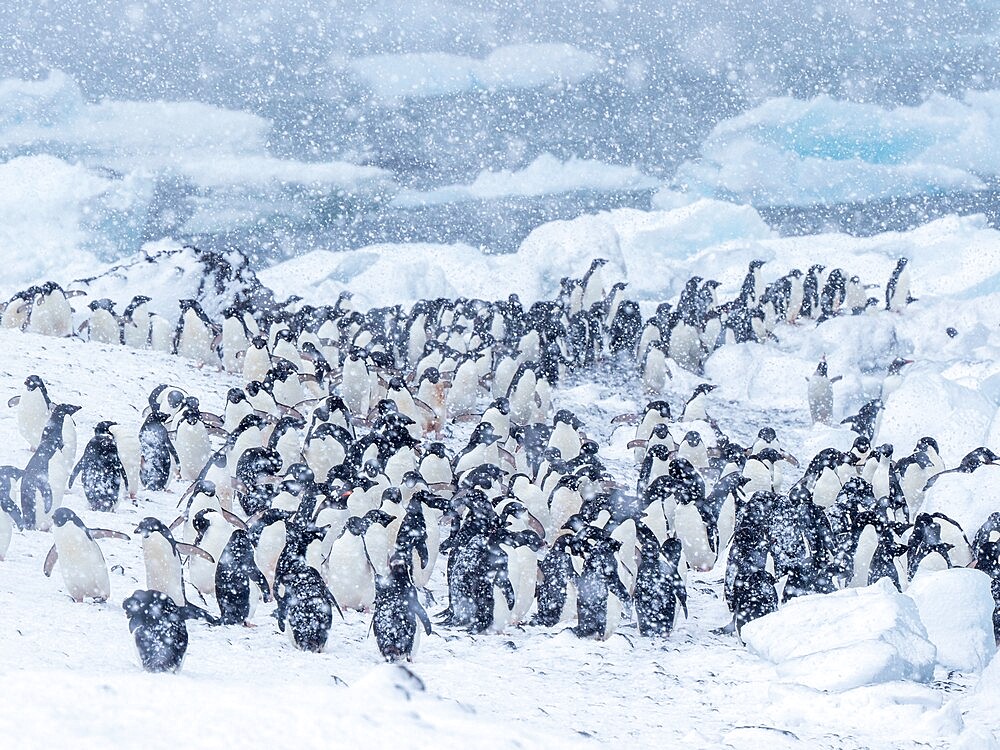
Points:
(844, 640)
(926, 403)
(956, 607)
(968, 499)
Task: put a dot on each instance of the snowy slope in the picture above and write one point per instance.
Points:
(73, 668)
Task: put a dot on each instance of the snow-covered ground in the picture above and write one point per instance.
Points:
(870, 669)
(72, 672)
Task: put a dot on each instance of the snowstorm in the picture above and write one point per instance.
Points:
(500, 374)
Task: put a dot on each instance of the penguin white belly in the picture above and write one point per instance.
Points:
(627, 565)
(565, 502)
(867, 543)
(522, 566)
(32, 415)
(567, 440)
(726, 523)
(15, 315)
(349, 575)
(196, 340)
(522, 398)
(234, 344)
(289, 392)
(161, 334)
(163, 568)
(256, 363)
(422, 573)
(656, 519)
(501, 613)
(6, 534)
(355, 387)
(820, 399)
(399, 463)
(234, 414)
(464, 390)
(82, 565)
(104, 327)
(322, 454)
(691, 530)
(506, 369)
(654, 374)
(614, 616)
(136, 331)
(269, 548)
(193, 449)
(685, 347)
(201, 572)
(826, 488)
(569, 609)
(130, 452)
(379, 546)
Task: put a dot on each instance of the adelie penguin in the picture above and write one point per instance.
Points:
(158, 625)
(162, 555)
(35, 481)
(236, 569)
(897, 290)
(103, 473)
(821, 394)
(658, 586)
(33, 409)
(159, 457)
(81, 561)
(398, 615)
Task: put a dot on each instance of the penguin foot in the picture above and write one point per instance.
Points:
(248, 624)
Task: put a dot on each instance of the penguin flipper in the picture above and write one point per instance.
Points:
(109, 534)
(233, 519)
(50, 561)
(190, 549)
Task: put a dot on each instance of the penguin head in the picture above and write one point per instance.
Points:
(63, 515)
(898, 364)
(33, 382)
(693, 439)
(821, 368)
(662, 408)
(436, 449)
(150, 525)
(104, 428)
(703, 388)
(927, 442)
(392, 495)
(300, 473)
(236, 396)
(567, 417)
(862, 446)
(767, 434)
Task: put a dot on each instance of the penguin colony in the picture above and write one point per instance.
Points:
(332, 479)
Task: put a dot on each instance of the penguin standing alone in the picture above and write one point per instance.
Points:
(396, 611)
(102, 468)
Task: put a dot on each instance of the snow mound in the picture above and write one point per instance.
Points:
(846, 639)
(968, 499)
(926, 403)
(515, 66)
(799, 152)
(167, 272)
(956, 607)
